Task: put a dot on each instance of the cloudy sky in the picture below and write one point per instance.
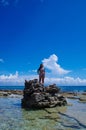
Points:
(52, 32)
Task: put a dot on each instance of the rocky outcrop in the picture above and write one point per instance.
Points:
(10, 92)
(35, 95)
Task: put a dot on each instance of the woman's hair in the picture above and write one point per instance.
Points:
(41, 65)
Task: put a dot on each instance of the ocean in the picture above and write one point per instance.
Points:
(63, 88)
(14, 117)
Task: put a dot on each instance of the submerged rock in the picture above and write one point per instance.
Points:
(36, 95)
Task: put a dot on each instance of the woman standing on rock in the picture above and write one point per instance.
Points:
(41, 72)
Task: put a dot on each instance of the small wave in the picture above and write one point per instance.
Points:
(15, 96)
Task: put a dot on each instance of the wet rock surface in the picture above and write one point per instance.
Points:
(36, 95)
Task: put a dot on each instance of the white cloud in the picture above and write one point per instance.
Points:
(16, 79)
(67, 81)
(9, 77)
(1, 60)
(53, 66)
(32, 71)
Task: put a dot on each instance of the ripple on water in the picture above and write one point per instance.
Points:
(13, 117)
(75, 116)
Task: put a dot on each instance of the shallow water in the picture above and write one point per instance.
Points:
(78, 112)
(13, 117)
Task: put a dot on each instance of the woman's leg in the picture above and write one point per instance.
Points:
(39, 79)
(42, 79)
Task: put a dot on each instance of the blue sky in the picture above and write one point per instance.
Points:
(48, 31)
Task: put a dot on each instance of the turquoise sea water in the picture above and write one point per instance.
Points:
(13, 117)
(63, 88)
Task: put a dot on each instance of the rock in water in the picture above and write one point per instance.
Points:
(36, 95)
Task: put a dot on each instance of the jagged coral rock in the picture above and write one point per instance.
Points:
(35, 95)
